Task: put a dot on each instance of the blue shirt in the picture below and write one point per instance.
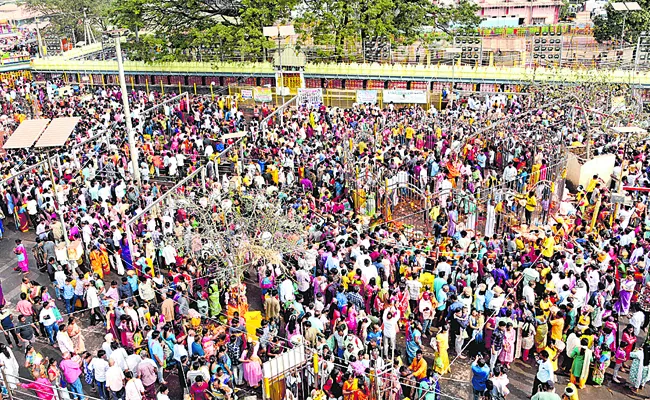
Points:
(442, 300)
(157, 350)
(197, 349)
(341, 300)
(374, 337)
(480, 376)
(68, 291)
(133, 281)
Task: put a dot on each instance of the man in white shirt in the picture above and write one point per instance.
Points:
(118, 355)
(303, 278)
(105, 192)
(414, 287)
(99, 366)
(509, 174)
(46, 317)
(169, 254)
(134, 390)
(390, 319)
(443, 266)
(286, 291)
(529, 293)
(368, 271)
(133, 361)
(115, 380)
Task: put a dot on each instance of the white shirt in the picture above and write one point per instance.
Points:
(59, 277)
(529, 295)
(390, 325)
(414, 288)
(65, 343)
(99, 366)
(134, 389)
(443, 266)
(46, 317)
(119, 355)
(510, 173)
(286, 291)
(91, 297)
(114, 378)
(368, 272)
(637, 321)
(132, 362)
(169, 253)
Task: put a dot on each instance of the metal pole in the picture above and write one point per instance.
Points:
(56, 201)
(4, 379)
(58, 166)
(38, 41)
(281, 86)
(205, 189)
(127, 112)
(129, 239)
(623, 30)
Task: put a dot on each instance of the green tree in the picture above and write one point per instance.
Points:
(67, 16)
(235, 27)
(610, 27)
(128, 14)
(343, 24)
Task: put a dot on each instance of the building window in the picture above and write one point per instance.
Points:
(539, 21)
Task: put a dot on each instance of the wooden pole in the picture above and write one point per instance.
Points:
(146, 83)
(195, 88)
(132, 85)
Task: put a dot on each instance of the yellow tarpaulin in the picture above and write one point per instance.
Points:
(253, 321)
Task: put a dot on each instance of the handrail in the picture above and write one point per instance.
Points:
(265, 122)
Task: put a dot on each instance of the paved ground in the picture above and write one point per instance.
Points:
(454, 386)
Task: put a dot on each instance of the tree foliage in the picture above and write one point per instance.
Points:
(232, 29)
(337, 22)
(66, 16)
(610, 27)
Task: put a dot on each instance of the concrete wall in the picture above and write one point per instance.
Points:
(580, 174)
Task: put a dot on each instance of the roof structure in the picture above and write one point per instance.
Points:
(26, 134)
(58, 132)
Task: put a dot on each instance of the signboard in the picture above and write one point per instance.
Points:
(618, 104)
(246, 94)
(310, 96)
(405, 96)
(263, 94)
(617, 198)
(367, 96)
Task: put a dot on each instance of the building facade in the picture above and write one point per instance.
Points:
(527, 12)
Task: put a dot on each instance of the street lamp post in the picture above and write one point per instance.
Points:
(279, 32)
(625, 7)
(117, 34)
(455, 52)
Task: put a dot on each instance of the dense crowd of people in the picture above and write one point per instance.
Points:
(566, 288)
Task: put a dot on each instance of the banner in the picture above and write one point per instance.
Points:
(246, 94)
(405, 96)
(263, 94)
(310, 96)
(367, 96)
